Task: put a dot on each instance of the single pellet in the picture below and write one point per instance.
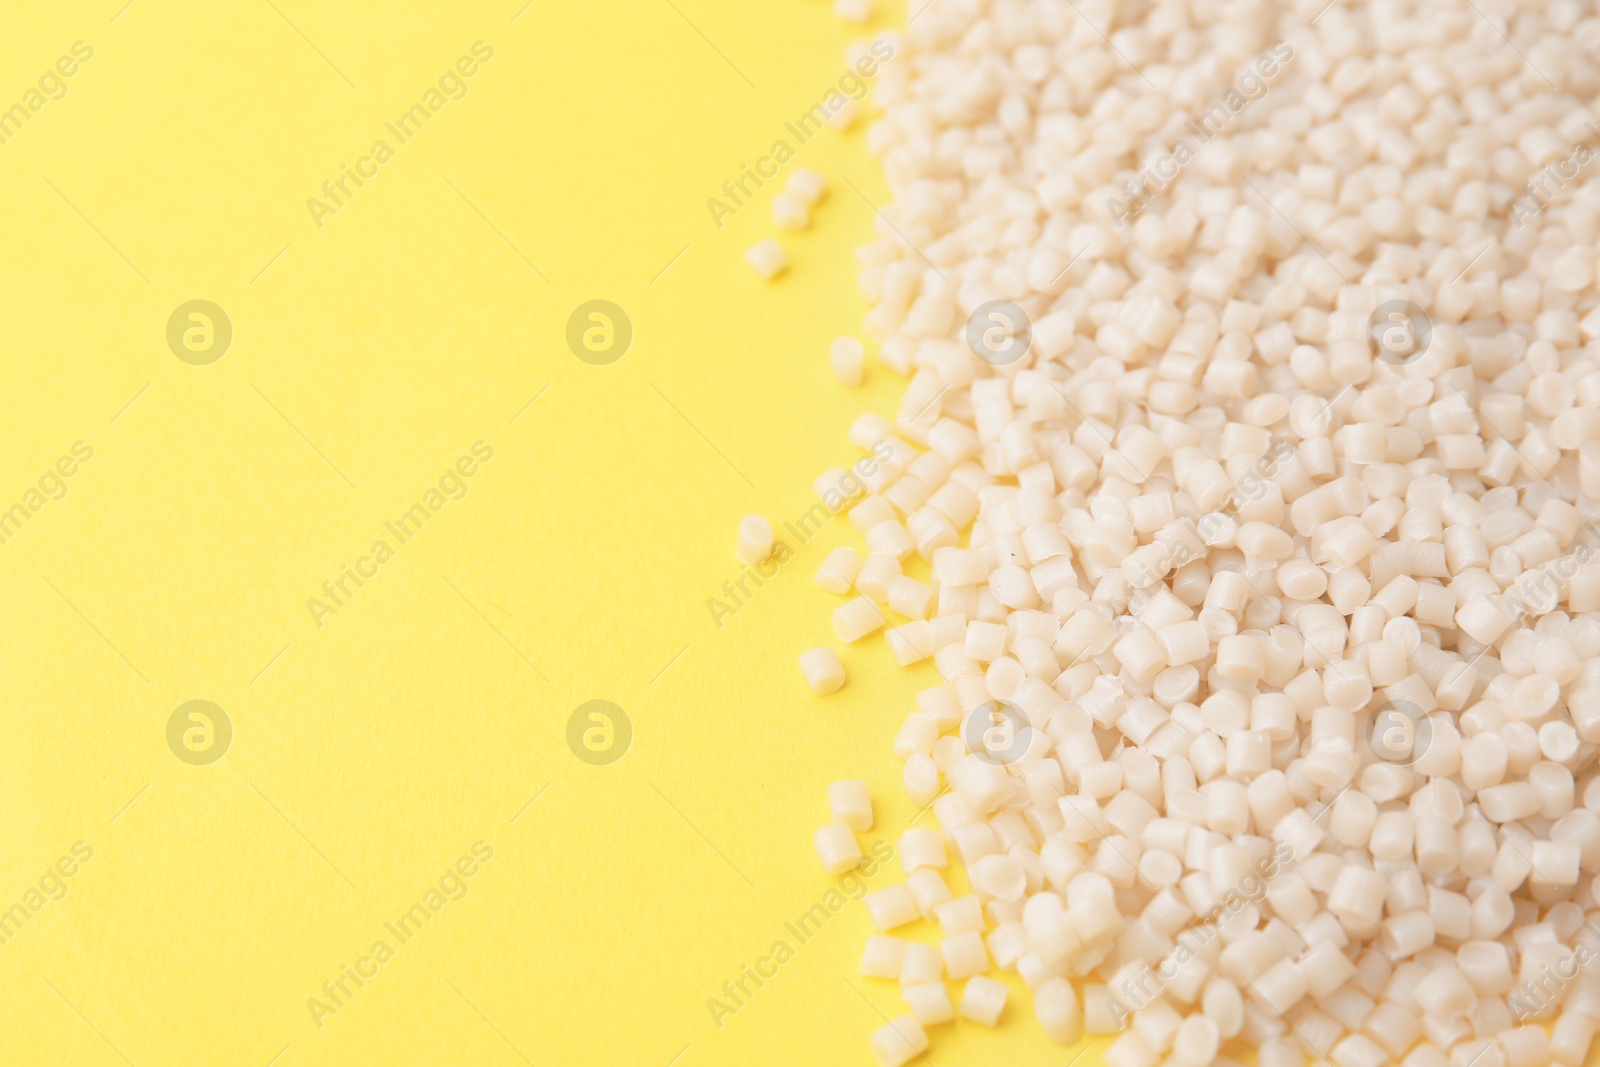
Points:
(923, 963)
(857, 618)
(790, 212)
(1001, 877)
(755, 539)
(883, 957)
(846, 359)
(929, 1003)
(922, 848)
(839, 569)
(983, 1000)
(1055, 1004)
(964, 955)
(806, 184)
(929, 890)
(837, 848)
(846, 113)
(766, 258)
(850, 803)
(822, 670)
(891, 907)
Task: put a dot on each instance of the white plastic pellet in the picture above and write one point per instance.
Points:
(964, 955)
(891, 907)
(1286, 1053)
(857, 618)
(823, 672)
(923, 963)
(850, 803)
(1055, 1003)
(1223, 1005)
(1444, 993)
(853, 10)
(755, 539)
(960, 915)
(929, 889)
(1195, 1044)
(839, 569)
(929, 1003)
(999, 876)
(846, 359)
(1356, 896)
(883, 957)
(845, 112)
(837, 848)
(807, 184)
(898, 1042)
(1007, 944)
(922, 848)
(910, 598)
(877, 571)
(766, 258)
(983, 1000)
(790, 212)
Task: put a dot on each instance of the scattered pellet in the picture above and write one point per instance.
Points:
(929, 1003)
(839, 569)
(850, 803)
(807, 184)
(844, 115)
(790, 212)
(896, 1043)
(823, 672)
(755, 539)
(846, 358)
(853, 10)
(837, 848)
(983, 1000)
(766, 258)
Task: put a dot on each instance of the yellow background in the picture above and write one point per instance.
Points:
(369, 754)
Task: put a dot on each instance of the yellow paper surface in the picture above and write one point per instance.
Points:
(377, 741)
